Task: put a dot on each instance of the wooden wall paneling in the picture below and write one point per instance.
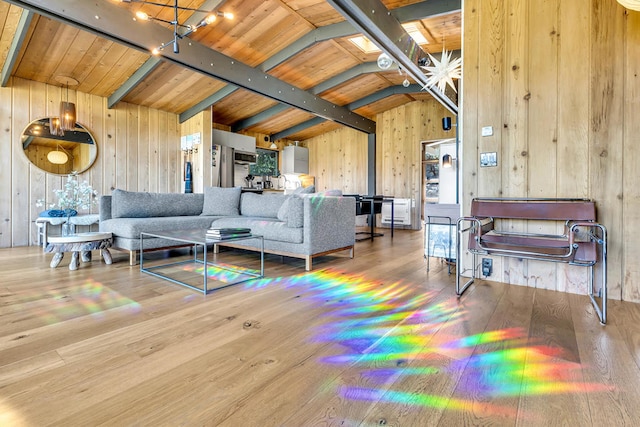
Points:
(387, 174)
(319, 152)
(174, 154)
(163, 151)
(122, 150)
(543, 125)
(573, 121)
(631, 161)
(468, 117)
(154, 163)
(356, 157)
(332, 167)
(490, 89)
(7, 145)
(132, 147)
(53, 182)
(36, 177)
(107, 150)
(606, 133)
(419, 119)
(143, 148)
(96, 125)
(515, 149)
(20, 166)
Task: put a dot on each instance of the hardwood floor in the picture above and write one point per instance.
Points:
(374, 340)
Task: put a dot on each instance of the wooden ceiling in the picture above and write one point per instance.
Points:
(260, 33)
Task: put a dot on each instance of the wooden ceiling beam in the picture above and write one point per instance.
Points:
(16, 45)
(113, 22)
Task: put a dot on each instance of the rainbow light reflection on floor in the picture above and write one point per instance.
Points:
(392, 332)
(91, 298)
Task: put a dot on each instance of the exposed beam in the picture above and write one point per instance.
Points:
(369, 99)
(374, 21)
(263, 115)
(412, 12)
(365, 68)
(16, 44)
(110, 21)
(384, 93)
(328, 32)
(297, 128)
(206, 103)
(133, 81)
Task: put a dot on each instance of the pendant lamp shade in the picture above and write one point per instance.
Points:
(67, 115)
(54, 127)
(57, 157)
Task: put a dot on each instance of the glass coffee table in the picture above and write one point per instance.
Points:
(184, 272)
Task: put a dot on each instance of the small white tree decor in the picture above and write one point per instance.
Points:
(74, 196)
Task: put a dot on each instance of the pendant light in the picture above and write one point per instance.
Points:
(68, 116)
(54, 127)
(57, 157)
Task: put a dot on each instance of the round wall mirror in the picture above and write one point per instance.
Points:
(52, 150)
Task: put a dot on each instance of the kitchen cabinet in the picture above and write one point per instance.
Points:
(295, 159)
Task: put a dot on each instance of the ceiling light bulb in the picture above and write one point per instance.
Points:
(406, 83)
(155, 51)
(384, 61)
(228, 15)
(210, 19)
(141, 15)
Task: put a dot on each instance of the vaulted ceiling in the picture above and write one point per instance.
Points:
(284, 68)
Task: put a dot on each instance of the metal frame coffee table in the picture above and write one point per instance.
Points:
(197, 238)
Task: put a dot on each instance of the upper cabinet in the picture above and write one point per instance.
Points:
(295, 159)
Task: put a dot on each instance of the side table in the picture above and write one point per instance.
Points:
(43, 221)
(81, 243)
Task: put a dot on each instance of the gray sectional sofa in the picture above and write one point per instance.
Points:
(297, 225)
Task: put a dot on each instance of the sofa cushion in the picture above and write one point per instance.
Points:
(221, 201)
(292, 211)
(138, 204)
(261, 205)
(130, 228)
(269, 228)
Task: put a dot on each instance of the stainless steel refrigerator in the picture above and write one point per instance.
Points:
(222, 165)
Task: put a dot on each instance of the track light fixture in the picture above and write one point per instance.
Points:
(187, 29)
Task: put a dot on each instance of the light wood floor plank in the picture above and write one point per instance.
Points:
(374, 340)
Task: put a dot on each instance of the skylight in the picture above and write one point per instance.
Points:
(367, 46)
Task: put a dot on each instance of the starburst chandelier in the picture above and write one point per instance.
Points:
(442, 72)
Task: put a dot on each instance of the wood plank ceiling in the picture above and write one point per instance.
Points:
(268, 35)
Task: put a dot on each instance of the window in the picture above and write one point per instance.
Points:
(266, 163)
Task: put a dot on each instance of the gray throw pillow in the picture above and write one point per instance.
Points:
(261, 205)
(283, 212)
(219, 201)
(295, 213)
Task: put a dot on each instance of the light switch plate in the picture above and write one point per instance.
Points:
(487, 131)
